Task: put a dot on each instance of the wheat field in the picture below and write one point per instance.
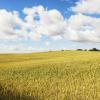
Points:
(59, 75)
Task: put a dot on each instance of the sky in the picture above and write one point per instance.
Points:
(43, 25)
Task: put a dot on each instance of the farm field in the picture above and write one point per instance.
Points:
(58, 75)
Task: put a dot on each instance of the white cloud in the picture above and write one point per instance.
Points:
(83, 28)
(47, 43)
(59, 37)
(11, 26)
(87, 6)
(39, 21)
(51, 22)
(7, 22)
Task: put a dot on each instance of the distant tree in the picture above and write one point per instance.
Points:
(79, 50)
(85, 49)
(50, 51)
(62, 50)
(94, 49)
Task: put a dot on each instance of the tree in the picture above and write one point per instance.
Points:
(94, 49)
(79, 50)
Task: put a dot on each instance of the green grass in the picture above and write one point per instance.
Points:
(65, 75)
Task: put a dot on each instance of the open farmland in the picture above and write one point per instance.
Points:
(63, 75)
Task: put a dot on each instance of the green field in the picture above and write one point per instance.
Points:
(62, 75)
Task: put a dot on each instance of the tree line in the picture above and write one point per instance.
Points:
(93, 49)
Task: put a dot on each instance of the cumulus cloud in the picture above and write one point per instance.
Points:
(83, 28)
(50, 22)
(39, 22)
(87, 6)
(8, 21)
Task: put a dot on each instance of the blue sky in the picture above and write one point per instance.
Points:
(68, 23)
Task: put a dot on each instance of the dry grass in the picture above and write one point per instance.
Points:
(66, 75)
